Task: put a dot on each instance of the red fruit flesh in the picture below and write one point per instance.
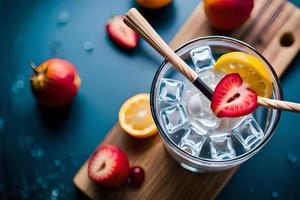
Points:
(121, 34)
(108, 166)
(232, 98)
(136, 176)
(55, 83)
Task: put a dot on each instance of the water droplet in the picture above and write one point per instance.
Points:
(15, 89)
(251, 190)
(1, 124)
(63, 17)
(61, 187)
(24, 180)
(52, 176)
(75, 163)
(53, 198)
(40, 153)
(63, 169)
(39, 180)
(21, 143)
(88, 46)
(68, 190)
(71, 155)
(292, 158)
(57, 163)
(275, 194)
(29, 140)
(33, 153)
(45, 185)
(20, 84)
(37, 153)
(58, 39)
(55, 192)
(24, 193)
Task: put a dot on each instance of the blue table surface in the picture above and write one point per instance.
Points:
(41, 150)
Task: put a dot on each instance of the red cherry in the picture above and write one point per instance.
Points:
(136, 176)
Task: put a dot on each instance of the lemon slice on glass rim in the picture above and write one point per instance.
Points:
(250, 68)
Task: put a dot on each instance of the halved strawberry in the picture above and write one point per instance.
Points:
(232, 97)
(108, 166)
(120, 33)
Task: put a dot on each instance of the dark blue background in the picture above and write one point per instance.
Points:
(41, 150)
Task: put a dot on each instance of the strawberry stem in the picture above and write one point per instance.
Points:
(33, 67)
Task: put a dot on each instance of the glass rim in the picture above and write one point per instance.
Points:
(199, 159)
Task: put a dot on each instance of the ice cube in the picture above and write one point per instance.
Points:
(221, 147)
(194, 105)
(170, 90)
(206, 117)
(202, 58)
(211, 78)
(192, 141)
(228, 124)
(248, 132)
(174, 118)
(176, 137)
(199, 111)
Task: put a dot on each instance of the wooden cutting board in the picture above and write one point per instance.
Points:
(279, 41)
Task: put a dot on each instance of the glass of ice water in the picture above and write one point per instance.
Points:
(191, 133)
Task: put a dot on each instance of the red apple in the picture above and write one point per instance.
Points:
(55, 82)
(227, 15)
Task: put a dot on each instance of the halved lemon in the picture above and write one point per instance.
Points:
(135, 116)
(250, 68)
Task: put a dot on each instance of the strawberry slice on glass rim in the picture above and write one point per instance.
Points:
(233, 98)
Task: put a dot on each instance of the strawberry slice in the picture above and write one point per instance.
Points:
(232, 97)
(120, 33)
(108, 166)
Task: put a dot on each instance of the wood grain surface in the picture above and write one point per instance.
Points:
(161, 173)
(272, 23)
